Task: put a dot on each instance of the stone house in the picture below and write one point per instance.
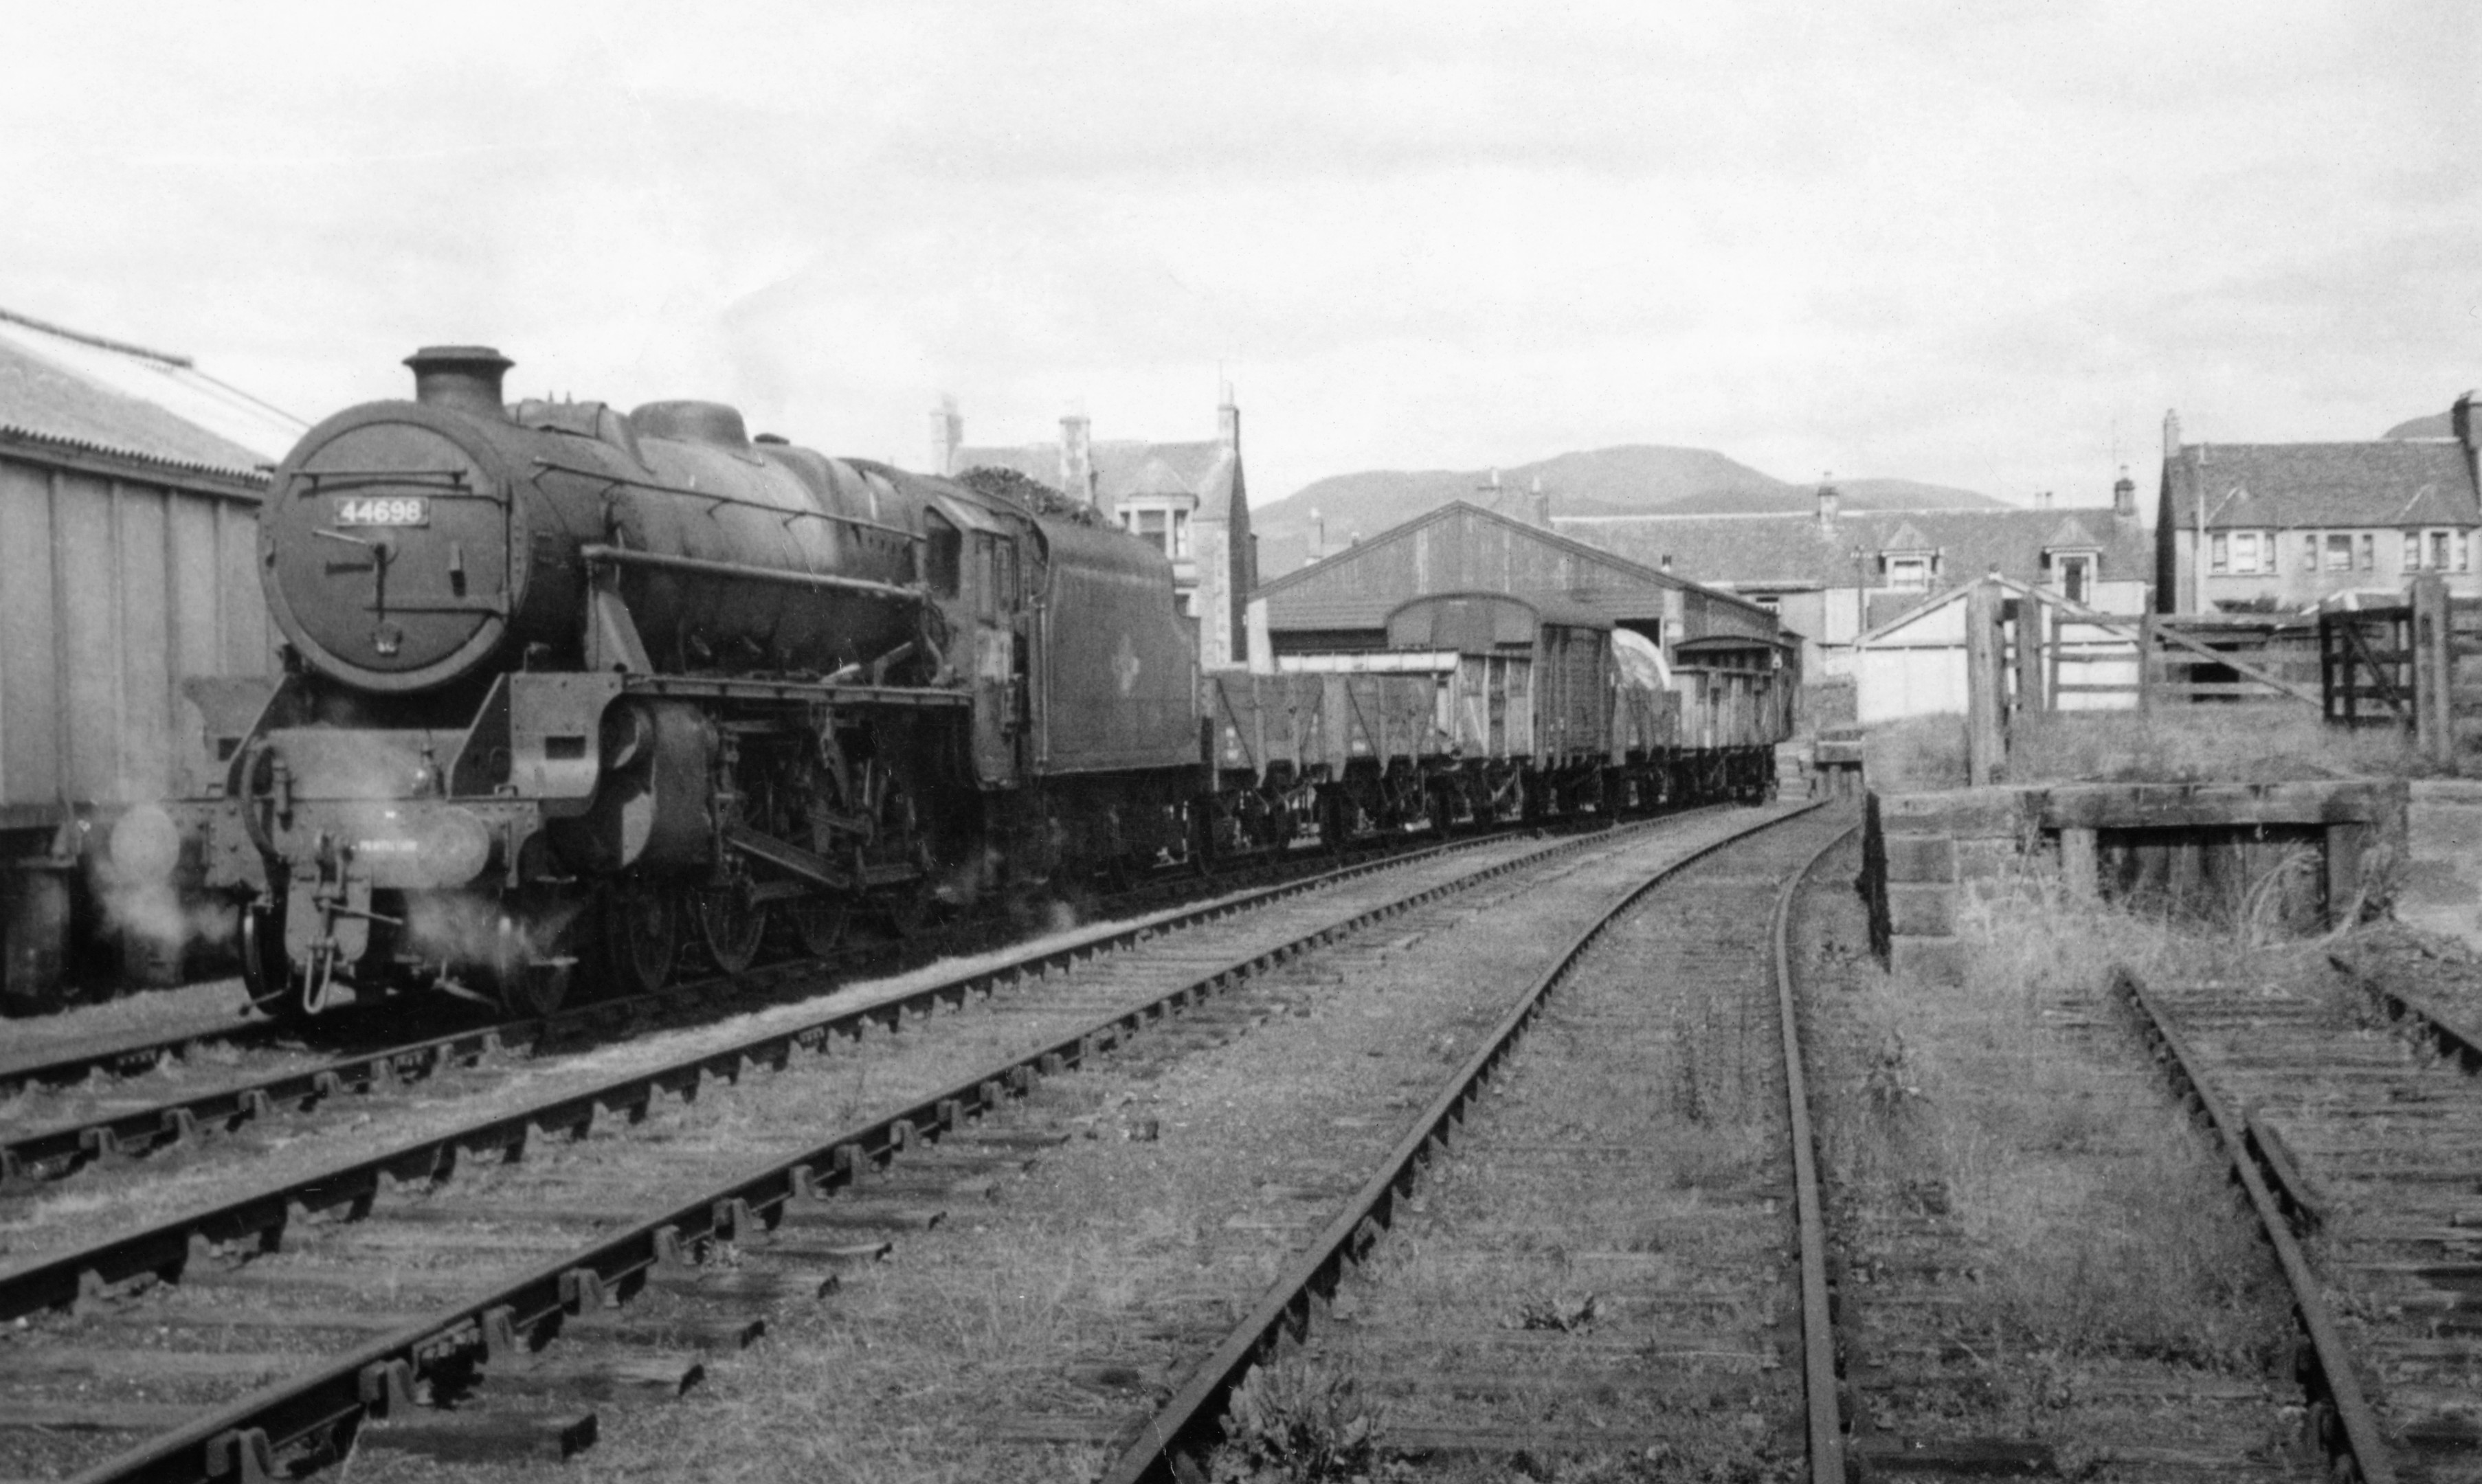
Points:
(2282, 527)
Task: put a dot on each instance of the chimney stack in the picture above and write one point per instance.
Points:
(1542, 504)
(1227, 421)
(2042, 500)
(1831, 501)
(1078, 458)
(2171, 436)
(2464, 419)
(1318, 534)
(462, 377)
(2123, 494)
(1666, 561)
(947, 431)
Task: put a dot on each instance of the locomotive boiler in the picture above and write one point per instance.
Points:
(566, 687)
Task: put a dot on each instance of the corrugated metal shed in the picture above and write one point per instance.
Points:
(129, 493)
(94, 395)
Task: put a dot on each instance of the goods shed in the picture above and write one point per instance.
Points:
(1343, 603)
(129, 491)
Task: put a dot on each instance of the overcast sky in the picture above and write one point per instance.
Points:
(1981, 243)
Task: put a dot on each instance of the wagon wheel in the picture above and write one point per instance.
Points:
(641, 935)
(729, 925)
(819, 921)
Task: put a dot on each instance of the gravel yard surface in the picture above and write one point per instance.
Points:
(338, 1282)
(1055, 1305)
(45, 1219)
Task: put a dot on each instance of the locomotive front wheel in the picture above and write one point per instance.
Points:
(640, 937)
(275, 988)
(524, 984)
(731, 926)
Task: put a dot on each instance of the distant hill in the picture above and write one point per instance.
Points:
(1633, 479)
(2438, 425)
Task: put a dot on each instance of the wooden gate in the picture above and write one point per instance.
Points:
(2365, 666)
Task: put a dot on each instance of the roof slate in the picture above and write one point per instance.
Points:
(1795, 550)
(2404, 481)
(62, 388)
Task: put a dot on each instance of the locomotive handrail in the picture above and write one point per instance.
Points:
(724, 500)
(624, 556)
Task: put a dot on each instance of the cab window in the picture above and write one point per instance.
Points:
(943, 554)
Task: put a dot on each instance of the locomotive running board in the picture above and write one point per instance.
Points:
(809, 866)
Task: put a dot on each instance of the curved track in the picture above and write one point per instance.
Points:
(1497, 1163)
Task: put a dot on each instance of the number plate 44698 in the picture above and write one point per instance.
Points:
(383, 510)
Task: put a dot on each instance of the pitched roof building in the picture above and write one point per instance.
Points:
(2283, 525)
(1834, 574)
(1189, 498)
(1342, 601)
(72, 393)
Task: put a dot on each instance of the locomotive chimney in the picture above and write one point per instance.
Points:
(462, 377)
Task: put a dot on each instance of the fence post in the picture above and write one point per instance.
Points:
(1985, 746)
(2146, 663)
(2434, 671)
(2029, 655)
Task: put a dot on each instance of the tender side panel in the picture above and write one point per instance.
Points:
(1118, 673)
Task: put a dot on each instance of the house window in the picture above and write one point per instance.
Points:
(1769, 601)
(2339, 551)
(2369, 552)
(2310, 551)
(1912, 573)
(2436, 551)
(2077, 577)
(1181, 536)
(1150, 528)
(2241, 551)
(2464, 551)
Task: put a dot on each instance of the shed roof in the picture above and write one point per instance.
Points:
(2285, 486)
(1461, 545)
(1796, 550)
(94, 395)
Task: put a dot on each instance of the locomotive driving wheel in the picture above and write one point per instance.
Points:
(641, 934)
(731, 925)
(819, 921)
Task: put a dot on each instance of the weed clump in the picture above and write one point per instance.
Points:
(1295, 1423)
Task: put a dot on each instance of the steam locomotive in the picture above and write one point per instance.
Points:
(566, 689)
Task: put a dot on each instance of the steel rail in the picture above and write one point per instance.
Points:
(88, 1271)
(2342, 1422)
(1182, 1424)
(246, 1438)
(140, 1056)
(1817, 1315)
(60, 1150)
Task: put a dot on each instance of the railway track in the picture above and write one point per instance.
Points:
(2352, 1112)
(361, 1283)
(1975, 1336)
(1568, 1269)
(78, 1108)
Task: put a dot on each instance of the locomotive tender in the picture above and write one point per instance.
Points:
(566, 687)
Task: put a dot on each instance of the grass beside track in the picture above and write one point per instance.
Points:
(2099, 1249)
